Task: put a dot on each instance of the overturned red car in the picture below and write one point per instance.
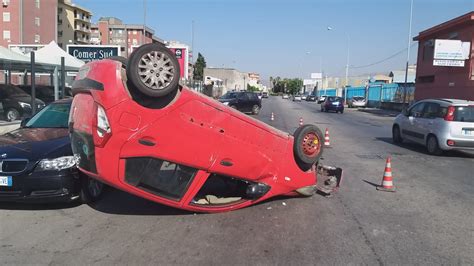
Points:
(135, 128)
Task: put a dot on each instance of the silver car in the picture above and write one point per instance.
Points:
(357, 101)
(439, 124)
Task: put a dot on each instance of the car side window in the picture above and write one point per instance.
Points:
(431, 111)
(243, 96)
(417, 110)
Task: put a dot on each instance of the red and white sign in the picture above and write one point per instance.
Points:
(182, 54)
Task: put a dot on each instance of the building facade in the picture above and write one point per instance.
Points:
(74, 24)
(28, 22)
(232, 79)
(445, 81)
(112, 31)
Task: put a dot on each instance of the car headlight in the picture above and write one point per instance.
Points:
(24, 105)
(57, 164)
(225, 103)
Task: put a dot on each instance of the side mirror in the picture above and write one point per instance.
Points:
(405, 111)
(24, 121)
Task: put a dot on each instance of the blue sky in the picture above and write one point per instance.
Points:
(288, 38)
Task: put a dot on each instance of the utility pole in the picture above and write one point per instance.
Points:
(347, 68)
(144, 22)
(192, 42)
(405, 89)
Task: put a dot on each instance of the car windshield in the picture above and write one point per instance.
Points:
(229, 95)
(464, 114)
(55, 115)
(334, 99)
(12, 90)
(358, 98)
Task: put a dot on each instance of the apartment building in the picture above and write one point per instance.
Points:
(74, 24)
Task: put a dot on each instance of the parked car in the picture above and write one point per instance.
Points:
(37, 163)
(244, 101)
(264, 94)
(322, 98)
(303, 96)
(169, 144)
(333, 103)
(357, 101)
(285, 96)
(45, 93)
(297, 98)
(439, 124)
(15, 103)
(311, 98)
(259, 94)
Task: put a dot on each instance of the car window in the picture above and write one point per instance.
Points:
(252, 96)
(431, 110)
(243, 96)
(416, 110)
(464, 114)
(229, 95)
(52, 116)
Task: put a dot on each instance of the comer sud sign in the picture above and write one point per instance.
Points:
(89, 53)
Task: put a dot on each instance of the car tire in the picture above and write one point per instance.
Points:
(91, 189)
(396, 135)
(255, 109)
(308, 146)
(432, 146)
(139, 73)
(342, 111)
(12, 114)
(120, 59)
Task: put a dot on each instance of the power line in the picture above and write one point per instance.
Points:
(383, 60)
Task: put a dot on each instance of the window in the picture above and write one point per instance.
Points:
(37, 38)
(134, 32)
(6, 16)
(37, 21)
(6, 35)
(37, 3)
(425, 79)
(432, 110)
(417, 110)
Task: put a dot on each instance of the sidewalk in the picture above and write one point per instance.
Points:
(6, 127)
(380, 112)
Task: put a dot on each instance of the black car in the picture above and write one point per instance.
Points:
(15, 103)
(244, 101)
(333, 103)
(37, 163)
(45, 93)
(311, 98)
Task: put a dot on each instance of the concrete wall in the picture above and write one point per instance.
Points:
(232, 79)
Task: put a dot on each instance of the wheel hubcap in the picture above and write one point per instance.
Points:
(156, 70)
(311, 144)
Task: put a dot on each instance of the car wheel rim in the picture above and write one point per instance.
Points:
(156, 70)
(95, 187)
(11, 116)
(255, 109)
(311, 144)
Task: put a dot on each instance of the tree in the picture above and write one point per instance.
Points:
(252, 88)
(199, 68)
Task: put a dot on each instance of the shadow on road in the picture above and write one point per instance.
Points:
(370, 183)
(415, 147)
(38, 206)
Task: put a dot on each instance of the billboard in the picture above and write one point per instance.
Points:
(89, 53)
(451, 50)
(316, 75)
(181, 54)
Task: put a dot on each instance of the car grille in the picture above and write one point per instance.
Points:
(13, 166)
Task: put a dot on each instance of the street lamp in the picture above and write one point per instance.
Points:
(408, 55)
(347, 64)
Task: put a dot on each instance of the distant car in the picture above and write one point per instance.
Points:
(244, 101)
(303, 97)
(15, 103)
(322, 98)
(297, 98)
(333, 103)
(259, 94)
(311, 98)
(285, 96)
(357, 101)
(37, 164)
(45, 93)
(439, 124)
(264, 94)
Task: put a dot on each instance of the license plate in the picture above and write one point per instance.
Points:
(335, 103)
(6, 181)
(468, 132)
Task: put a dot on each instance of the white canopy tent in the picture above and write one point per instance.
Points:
(52, 53)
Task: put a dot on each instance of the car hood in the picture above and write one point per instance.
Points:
(35, 143)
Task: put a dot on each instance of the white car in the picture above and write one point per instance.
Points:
(303, 97)
(297, 98)
(357, 101)
(439, 124)
(285, 96)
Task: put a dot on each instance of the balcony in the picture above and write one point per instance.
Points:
(83, 19)
(83, 29)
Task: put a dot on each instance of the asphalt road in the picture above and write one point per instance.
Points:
(428, 220)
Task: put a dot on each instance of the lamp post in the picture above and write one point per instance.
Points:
(408, 55)
(347, 64)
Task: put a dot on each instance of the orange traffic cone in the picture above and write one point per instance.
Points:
(326, 138)
(273, 117)
(301, 121)
(387, 181)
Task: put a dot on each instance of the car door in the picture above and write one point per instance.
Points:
(244, 102)
(432, 119)
(411, 129)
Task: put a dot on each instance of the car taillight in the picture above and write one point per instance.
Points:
(102, 131)
(451, 142)
(450, 114)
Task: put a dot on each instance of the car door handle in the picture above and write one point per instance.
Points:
(147, 142)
